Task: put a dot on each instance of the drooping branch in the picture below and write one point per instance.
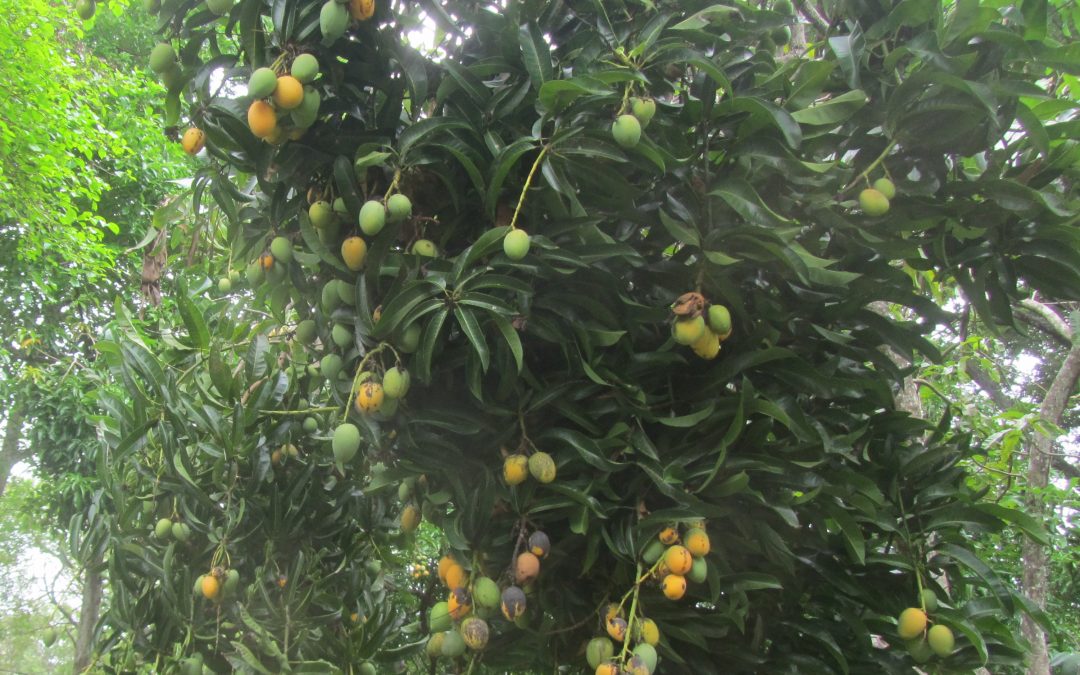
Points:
(1044, 318)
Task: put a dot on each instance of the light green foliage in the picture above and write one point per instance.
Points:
(25, 608)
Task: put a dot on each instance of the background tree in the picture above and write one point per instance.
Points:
(81, 175)
(1009, 408)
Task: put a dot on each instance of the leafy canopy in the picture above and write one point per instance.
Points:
(828, 508)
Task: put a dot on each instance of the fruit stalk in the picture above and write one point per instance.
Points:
(528, 182)
(630, 616)
(915, 559)
(873, 165)
(393, 185)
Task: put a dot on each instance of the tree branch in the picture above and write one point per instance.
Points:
(1070, 471)
(811, 14)
(1044, 318)
(56, 603)
(987, 384)
(1061, 389)
(1003, 401)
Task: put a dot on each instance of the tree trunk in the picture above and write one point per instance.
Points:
(88, 614)
(1035, 556)
(10, 453)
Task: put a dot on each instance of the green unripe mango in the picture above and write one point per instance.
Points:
(181, 532)
(192, 665)
(281, 249)
(425, 248)
(626, 130)
(372, 217)
(346, 292)
(643, 109)
(395, 383)
(885, 187)
(781, 36)
(873, 202)
(234, 276)
(305, 331)
(516, 244)
(330, 366)
(330, 298)
(647, 653)
(439, 618)
(920, 650)
(172, 77)
(410, 338)
(653, 551)
(941, 640)
(929, 600)
(340, 208)
(453, 644)
(486, 593)
(232, 581)
(262, 83)
(311, 425)
(398, 207)
(785, 7)
(307, 113)
(254, 274)
(224, 285)
(699, 571)
(599, 650)
(542, 467)
(275, 275)
(719, 319)
(367, 668)
(305, 68)
(341, 336)
(85, 9)
(346, 442)
(163, 529)
(320, 213)
(162, 57)
(333, 20)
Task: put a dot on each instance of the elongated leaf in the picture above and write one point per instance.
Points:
(535, 54)
(471, 327)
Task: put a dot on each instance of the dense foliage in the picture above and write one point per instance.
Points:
(828, 508)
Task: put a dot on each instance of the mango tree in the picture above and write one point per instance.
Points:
(595, 288)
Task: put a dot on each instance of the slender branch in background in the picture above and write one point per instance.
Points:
(56, 603)
(1005, 402)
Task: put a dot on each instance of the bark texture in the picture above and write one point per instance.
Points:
(1040, 456)
(10, 453)
(88, 614)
